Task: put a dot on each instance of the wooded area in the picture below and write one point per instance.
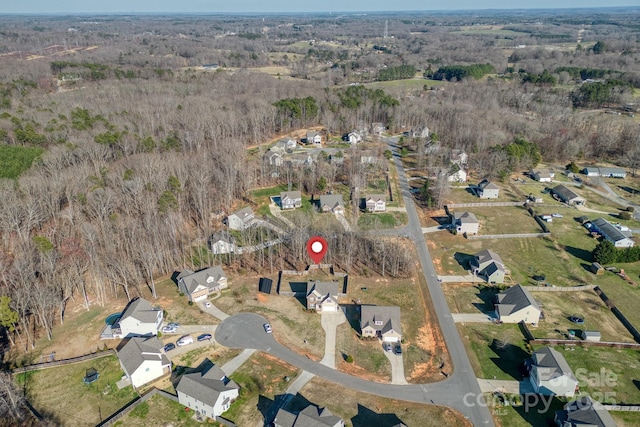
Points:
(125, 139)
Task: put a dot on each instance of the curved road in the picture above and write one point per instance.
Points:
(460, 391)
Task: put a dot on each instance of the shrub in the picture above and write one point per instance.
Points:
(625, 215)
(630, 209)
(349, 359)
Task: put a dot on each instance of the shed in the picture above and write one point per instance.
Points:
(264, 285)
(597, 269)
(593, 336)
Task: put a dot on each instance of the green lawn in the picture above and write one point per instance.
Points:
(377, 221)
(159, 411)
(60, 391)
(626, 419)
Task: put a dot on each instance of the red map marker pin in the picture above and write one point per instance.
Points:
(317, 248)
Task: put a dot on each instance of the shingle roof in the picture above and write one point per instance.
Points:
(565, 193)
(515, 299)
(488, 255)
(377, 197)
(551, 364)
(467, 218)
(220, 236)
(206, 386)
(609, 230)
(193, 280)
(586, 412)
(243, 213)
(311, 416)
(486, 184)
(139, 349)
(140, 309)
(291, 195)
(323, 288)
(389, 316)
(331, 200)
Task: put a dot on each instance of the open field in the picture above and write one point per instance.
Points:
(379, 221)
(466, 195)
(159, 411)
(60, 391)
(261, 376)
(406, 84)
(361, 409)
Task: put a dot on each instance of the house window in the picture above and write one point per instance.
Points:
(378, 322)
(146, 370)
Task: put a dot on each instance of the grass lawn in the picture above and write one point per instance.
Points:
(465, 195)
(406, 84)
(361, 409)
(177, 308)
(378, 221)
(606, 374)
(261, 376)
(60, 391)
(159, 411)
(626, 419)
(467, 298)
(495, 351)
(527, 414)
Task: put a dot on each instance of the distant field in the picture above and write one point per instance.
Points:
(408, 84)
(489, 31)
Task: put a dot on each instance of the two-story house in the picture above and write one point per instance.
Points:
(381, 321)
(198, 285)
(376, 203)
(143, 360)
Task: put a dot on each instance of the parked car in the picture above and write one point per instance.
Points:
(170, 346)
(387, 346)
(398, 349)
(174, 325)
(184, 340)
(556, 215)
(267, 328)
(168, 329)
(204, 337)
(207, 304)
(577, 320)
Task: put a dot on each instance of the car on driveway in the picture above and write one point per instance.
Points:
(387, 346)
(556, 215)
(184, 340)
(173, 325)
(204, 337)
(576, 319)
(207, 304)
(398, 349)
(267, 328)
(168, 329)
(170, 346)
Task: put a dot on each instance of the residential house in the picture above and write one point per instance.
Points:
(332, 203)
(197, 286)
(368, 157)
(459, 157)
(353, 137)
(300, 160)
(542, 175)
(465, 223)
(584, 412)
(489, 266)
(290, 200)
(550, 374)
(208, 392)
(457, 176)
(283, 146)
(222, 242)
(143, 360)
(605, 172)
(322, 296)
(381, 321)
(241, 219)
(419, 132)
(378, 128)
(376, 203)
(620, 238)
(314, 138)
(273, 158)
(488, 190)
(516, 305)
(139, 319)
(567, 195)
(311, 416)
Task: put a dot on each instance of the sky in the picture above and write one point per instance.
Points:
(277, 6)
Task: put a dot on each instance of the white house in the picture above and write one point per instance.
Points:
(542, 175)
(459, 157)
(314, 138)
(550, 374)
(241, 219)
(457, 176)
(619, 238)
(516, 305)
(466, 223)
(143, 360)
(353, 138)
(222, 242)
(208, 392)
(323, 296)
(290, 199)
(376, 203)
(332, 203)
(198, 285)
(381, 321)
(488, 190)
(273, 158)
(139, 319)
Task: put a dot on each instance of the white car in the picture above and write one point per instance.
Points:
(207, 304)
(184, 340)
(267, 328)
(168, 329)
(556, 215)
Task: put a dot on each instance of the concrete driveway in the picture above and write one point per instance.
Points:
(397, 367)
(213, 310)
(468, 278)
(330, 322)
(471, 318)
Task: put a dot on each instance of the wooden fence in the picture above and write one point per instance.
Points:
(484, 204)
(505, 236)
(616, 311)
(560, 288)
(72, 360)
(135, 402)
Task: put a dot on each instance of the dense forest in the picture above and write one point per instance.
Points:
(124, 139)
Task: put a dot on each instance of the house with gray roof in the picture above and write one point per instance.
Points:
(488, 265)
(488, 190)
(222, 242)
(516, 305)
(290, 200)
(619, 238)
(606, 172)
(208, 392)
(332, 203)
(542, 175)
(311, 416)
(584, 412)
(139, 319)
(376, 203)
(465, 223)
(241, 219)
(550, 374)
(198, 285)
(143, 360)
(323, 296)
(382, 322)
(567, 195)
(314, 138)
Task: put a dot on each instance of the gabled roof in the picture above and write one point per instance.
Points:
(218, 236)
(565, 193)
(323, 288)
(389, 316)
(141, 310)
(609, 230)
(311, 416)
(138, 349)
(331, 200)
(206, 386)
(550, 364)
(377, 198)
(488, 255)
(467, 218)
(515, 299)
(205, 277)
(243, 213)
(586, 412)
(290, 195)
(488, 185)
